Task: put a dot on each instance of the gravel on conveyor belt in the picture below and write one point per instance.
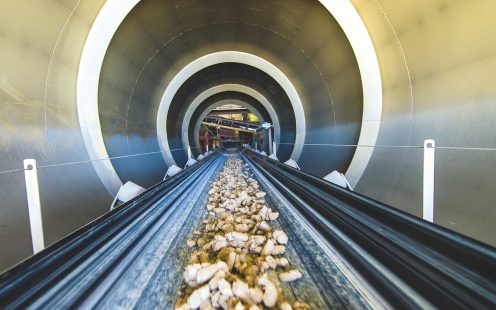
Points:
(237, 259)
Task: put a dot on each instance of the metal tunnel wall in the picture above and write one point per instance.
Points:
(436, 61)
(438, 83)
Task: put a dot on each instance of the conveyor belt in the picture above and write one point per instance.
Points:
(354, 252)
(108, 260)
(410, 262)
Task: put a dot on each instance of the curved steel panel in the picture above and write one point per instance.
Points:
(38, 75)
(437, 72)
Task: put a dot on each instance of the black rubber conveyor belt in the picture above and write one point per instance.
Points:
(101, 262)
(410, 262)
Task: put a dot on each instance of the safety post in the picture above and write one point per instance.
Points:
(34, 205)
(428, 205)
(270, 141)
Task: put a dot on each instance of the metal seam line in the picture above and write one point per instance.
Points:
(402, 146)
(89, 161)
(306, 144)
(361, 145)
(50, 63)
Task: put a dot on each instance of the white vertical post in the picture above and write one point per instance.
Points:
(428, 206)
(34, 205)
(270, 140)
(190, 155)
(207, 147)
(274, 151)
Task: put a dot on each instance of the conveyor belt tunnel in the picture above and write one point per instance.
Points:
(351, 85)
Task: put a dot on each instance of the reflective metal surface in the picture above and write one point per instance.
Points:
(159, 38)
(437, 65)
(41, 45)
(436, 59)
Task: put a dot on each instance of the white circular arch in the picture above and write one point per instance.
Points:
(112, 14)
(103, 29)
(224, 57)
(352, 24)
(224, 88)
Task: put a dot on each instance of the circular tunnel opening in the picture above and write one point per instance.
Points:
(213, 87)
(231, 125)
(108, 99)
